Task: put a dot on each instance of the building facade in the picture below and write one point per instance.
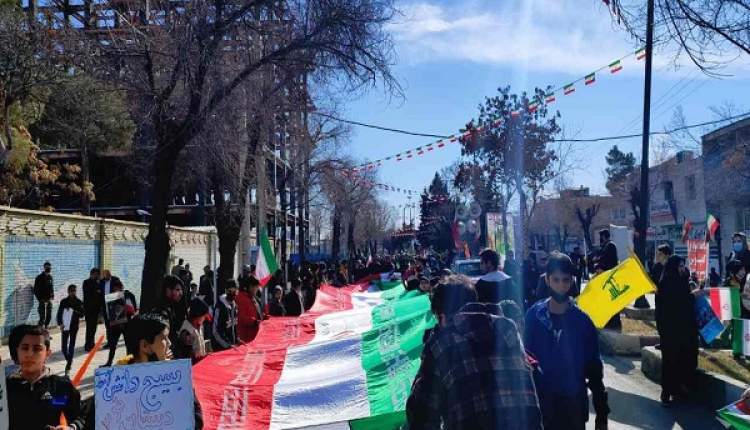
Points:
(726, 163)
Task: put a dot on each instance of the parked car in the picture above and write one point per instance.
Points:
(469, 268)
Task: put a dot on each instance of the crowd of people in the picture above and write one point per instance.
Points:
(510, 350)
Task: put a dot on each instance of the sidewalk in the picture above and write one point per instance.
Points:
(56, 362)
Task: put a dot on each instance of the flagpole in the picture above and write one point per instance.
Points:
(645, 194)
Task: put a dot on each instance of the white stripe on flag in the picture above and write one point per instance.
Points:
(340, 324)
(745, 337)
(321, 383)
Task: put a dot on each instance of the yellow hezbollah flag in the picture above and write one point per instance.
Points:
(609, 292)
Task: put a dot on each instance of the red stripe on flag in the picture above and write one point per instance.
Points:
(715, 298)
(235, 387)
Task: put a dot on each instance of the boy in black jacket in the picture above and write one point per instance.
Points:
(68, 314)
(35, 396)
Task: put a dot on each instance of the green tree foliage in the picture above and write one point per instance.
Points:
(619, 166)
(512, 157)
(90, 116)
(437, 211)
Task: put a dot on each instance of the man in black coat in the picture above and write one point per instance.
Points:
(44, 291)
(294, 302)
(607, 257)
(92, 306)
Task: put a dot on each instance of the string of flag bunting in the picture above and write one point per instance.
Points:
(549, 98)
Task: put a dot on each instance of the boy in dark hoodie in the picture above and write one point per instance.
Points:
(460, 384)
(69, 313)
(36, 397)
(565, 342)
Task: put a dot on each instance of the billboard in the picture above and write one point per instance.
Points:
(497, 237)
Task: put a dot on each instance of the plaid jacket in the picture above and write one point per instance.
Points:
(474, 375)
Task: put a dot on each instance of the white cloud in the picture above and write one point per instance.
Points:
(568, 36)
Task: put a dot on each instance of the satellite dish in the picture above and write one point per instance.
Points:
(462, 212)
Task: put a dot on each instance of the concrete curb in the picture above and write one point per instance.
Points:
(617, 343)
(715, 390)
(648, 314)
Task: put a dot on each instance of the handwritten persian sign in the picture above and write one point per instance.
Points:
(145, 396)
(4, 418)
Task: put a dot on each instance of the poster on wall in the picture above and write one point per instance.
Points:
(698, 258)
(497, 236)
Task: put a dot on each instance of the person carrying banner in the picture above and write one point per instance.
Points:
(113, 314)
(69, 313)
(171, 304)
(566, 343)
(225, 319)
(36, 397)
(192, 342)
(294, 302)
(678, 332)
(146, 340)
(276, 305)
(458, 386)
(249, 310)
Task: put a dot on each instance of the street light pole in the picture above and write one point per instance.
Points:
(645, 188)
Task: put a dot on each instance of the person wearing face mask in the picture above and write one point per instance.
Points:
(678, 331)
(740, 250)
(736, 276)
(566, 344)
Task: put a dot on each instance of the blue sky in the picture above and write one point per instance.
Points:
(451, 54)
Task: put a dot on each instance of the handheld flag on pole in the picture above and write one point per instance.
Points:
(609, 293)
(266, 265)
(712, 224)
(737, 415)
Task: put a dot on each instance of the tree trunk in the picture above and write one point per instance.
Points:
(350, 245)
(227, 230)
(85, 177)
(8, 144)
(336, 233)
(157, 242)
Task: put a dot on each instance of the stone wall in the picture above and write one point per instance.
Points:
(75, 244)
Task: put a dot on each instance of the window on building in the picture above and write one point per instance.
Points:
(743, 219)
(668, 191)
(690, 187)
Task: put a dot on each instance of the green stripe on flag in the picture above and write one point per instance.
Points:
(734, 297)
(391, 350)
(738, 337)
(265, 246)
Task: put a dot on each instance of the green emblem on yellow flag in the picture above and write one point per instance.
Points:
(609, 293)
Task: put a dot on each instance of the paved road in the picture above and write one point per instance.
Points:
(634, 401)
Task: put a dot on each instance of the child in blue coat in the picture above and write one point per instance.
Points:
(565, 342)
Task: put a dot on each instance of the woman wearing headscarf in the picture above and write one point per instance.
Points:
(678, 330)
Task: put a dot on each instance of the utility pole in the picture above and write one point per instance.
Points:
(645, 189)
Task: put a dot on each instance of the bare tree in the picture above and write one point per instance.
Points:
(705, 30)
(171, 55)
(586, 218)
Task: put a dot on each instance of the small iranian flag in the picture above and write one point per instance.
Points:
(640, 54)
(440, 143)
(712, 225)
(266, 265)
(550, 97)
(741, 337)
(590, 79)
(569, 89)
(615, 67)
(533, 106)
(737, 415)
(725, 302)
(515, 113)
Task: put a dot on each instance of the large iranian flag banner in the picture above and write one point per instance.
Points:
(346, 364)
